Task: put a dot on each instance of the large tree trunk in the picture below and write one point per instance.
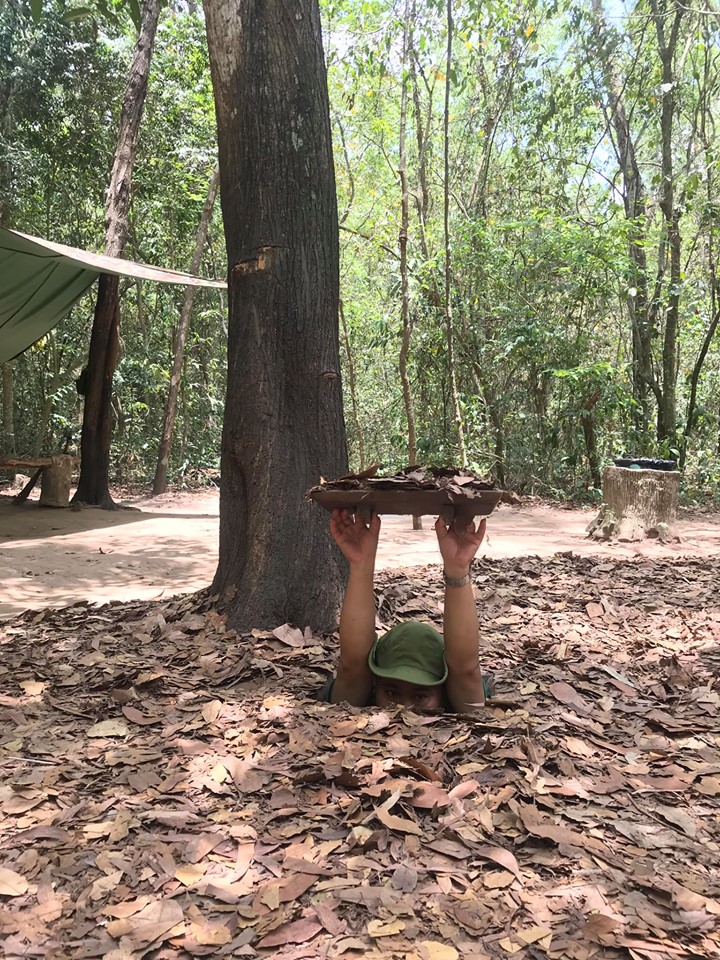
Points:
(105, 338)
(160, 481)
(283, 416)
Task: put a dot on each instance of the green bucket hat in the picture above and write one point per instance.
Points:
(412, 651)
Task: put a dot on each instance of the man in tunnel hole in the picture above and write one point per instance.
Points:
(412, 664)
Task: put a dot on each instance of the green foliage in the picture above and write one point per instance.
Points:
(543, 286)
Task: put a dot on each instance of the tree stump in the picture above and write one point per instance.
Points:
(637, 504)
(55, 482)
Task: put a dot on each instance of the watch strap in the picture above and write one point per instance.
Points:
(456, 581)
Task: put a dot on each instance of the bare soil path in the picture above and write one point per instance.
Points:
(168, 545)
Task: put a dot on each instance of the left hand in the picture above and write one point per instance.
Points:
(458, 547)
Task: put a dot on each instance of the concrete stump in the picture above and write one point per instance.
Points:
(637, 505)
(55, 482)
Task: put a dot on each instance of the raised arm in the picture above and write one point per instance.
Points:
(358, 542)
(464, 684)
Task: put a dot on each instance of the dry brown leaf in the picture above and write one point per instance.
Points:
(269, 896)
(157, 921)
(532, 934)
(503, 857)
(104, 885)
(510, 946)
(201, 845)
(126, 909)
(404, 878)
(329, 919)
(211, 710)
(108, 728)
(570, 697)
(450, 848)
(679, 817)
(295, 886)
(137, 716)
(433, 950)
(463, 790)
(498, 878)
(289, 635)
(382, 928)
(541, 826)
(298, 932)
(400, 824)
(709, 786)
(429, 795)
(190, 873)
(12, 884)
(210, 934)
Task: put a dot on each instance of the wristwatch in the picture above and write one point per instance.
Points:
(457, 581)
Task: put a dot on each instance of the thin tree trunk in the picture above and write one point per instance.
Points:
(587, 420)
(449, 332)
(351, 386)
(667, 422)
(422, 193)
(105, 338)
(705, 115)
(496, 418)
(407, 323)
(160, 481)
(8, 78)
(6, 127)
(634, 196)
(8, 446)
(283, 426)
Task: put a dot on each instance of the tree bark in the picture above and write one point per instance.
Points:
(160, 481)
(105, 337)
(283, 424)
(449, 326)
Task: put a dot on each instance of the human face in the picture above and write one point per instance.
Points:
(389, 692)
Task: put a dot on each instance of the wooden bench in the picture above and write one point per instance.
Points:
(56, 477)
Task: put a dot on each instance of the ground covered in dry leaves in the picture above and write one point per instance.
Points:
(169, 789)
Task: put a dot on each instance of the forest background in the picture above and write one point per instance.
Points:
(545, 186)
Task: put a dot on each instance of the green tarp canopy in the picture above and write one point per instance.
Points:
(40, 281)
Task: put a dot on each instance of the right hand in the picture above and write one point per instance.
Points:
(357, 540)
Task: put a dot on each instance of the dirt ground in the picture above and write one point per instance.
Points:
(168, 545)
